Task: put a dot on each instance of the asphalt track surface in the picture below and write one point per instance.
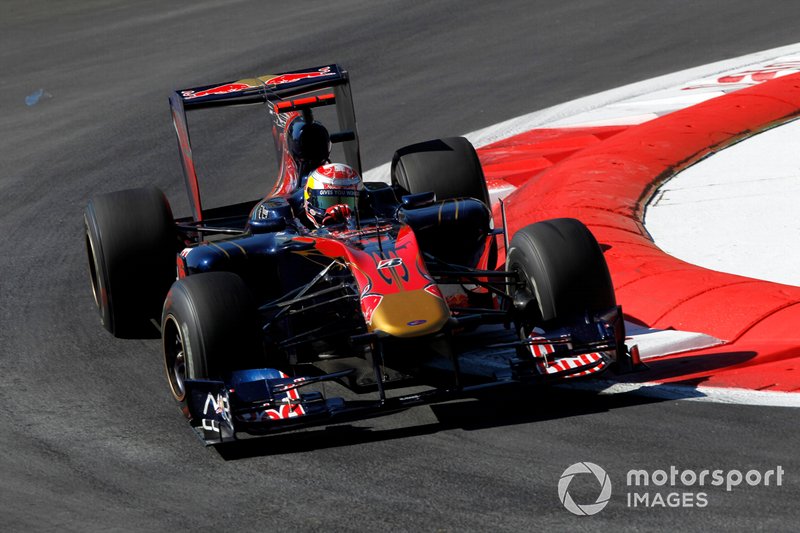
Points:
(90, 437)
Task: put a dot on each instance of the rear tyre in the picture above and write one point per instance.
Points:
(563, 274)
(131, 244)
(209, 328)
(448, 167)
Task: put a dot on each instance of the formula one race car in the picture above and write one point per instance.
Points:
(271, 302)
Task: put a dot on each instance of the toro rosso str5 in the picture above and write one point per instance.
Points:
(273, 311)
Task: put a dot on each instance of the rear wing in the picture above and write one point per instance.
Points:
(282, 92)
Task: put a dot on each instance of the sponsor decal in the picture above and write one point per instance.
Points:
(222, 89)
(750, 77)
(238, 86)
(330, 189)
(263, 212)
(390, 263)
(215, 405)
(291, 78)
(416, 323)
(291, 408)
(287, 410)
(769, 72)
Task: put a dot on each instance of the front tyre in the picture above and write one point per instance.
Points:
(562, 272)
(209, 328)
(131, 243)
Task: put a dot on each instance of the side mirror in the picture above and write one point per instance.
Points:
(420, 199)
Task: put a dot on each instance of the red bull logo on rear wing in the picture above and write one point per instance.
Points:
(268, 81)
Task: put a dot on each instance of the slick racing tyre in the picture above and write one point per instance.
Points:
(209, 328)
(562, 272)
(131, 244)
(448, 167)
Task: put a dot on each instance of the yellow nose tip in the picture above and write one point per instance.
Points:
(410, 314)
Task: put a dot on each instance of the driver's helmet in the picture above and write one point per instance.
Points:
(331, 185)
(308, 142)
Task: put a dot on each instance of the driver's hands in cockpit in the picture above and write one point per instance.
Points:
(337, 214)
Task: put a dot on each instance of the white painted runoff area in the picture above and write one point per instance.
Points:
(737, 210)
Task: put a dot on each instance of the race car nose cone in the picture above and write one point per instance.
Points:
(410, 314)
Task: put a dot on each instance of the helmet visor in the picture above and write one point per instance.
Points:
(323, 199)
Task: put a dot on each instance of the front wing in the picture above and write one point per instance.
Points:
(265, 401)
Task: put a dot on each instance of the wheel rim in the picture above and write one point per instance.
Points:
(175, 358)
(524, 283)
